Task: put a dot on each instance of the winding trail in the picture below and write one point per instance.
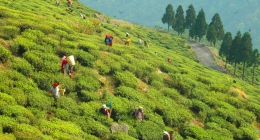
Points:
(205, 57)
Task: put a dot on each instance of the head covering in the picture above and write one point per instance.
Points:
(140, 108)
(63, 58)
(55, 84)
(104, 106)
(165, 133)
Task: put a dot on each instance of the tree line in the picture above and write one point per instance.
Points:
(237, 50)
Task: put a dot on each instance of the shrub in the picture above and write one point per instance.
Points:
(87, 46)
(88, 96)
(24, 131)
(216, 132)
(148, 130)
(68, 104)
(87, 81)
(7, 99)
(22, 66)
(176, 117)
(34, 36)
(19, 96)
(102, 68)
(63, 114)
(121, 136)
(84, 58)
(255, 108)
(37, 99)
(69, 44)
(4, 54)
(198, 106)
(126, 78)
(59, 129)
(10, 32)
(43, 80)
(21, 114)
(157, 84)
(97, 129)
(195, 132)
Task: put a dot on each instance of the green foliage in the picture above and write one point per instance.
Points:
(9, 32)
(196, 132)
(4, 54)
(68, 104)
(87, 81)
(19, 96)
(149, 130)
(129, 93)
(121, 136)
(25, 131)
(88, 96)
(176, 117)
(126, 78)
(22, 66)
(39, 100)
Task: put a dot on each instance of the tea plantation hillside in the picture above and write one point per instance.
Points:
(182, 96)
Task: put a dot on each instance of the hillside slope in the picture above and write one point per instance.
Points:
(242, 15)
(183, 96)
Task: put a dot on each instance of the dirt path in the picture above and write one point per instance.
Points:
(205, 57)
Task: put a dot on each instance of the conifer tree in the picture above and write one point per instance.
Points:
(244, 51)
(179, 20)
(168, 16)
(226, 46)
(234, 50)
(190, 17)
(254, 62)
(211, 35)
(201, 26)
(216, 21)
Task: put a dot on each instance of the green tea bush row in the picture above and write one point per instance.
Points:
(22, 66)
(195, 131)
(10, 32)
(88, 96)
(126, 78)
(129, 93)
(149, 130)
(84, 58)
(87, 81)
(35, 36)
(5, 54)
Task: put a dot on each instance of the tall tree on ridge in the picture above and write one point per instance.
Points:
(168, 16)
(179, 20)
(234, 50)
(211, 35)
(254, 62)
(190, 17)
(226, 47)
(216, 21)
(244, 51)
(200, 25)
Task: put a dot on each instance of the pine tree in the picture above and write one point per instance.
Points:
(211, 35)
(190, 17)
(200, 25)
(216, 21)
(168, 16)
(179, 19)
(234, 50)
(244, 51)
(254, 62)
(226, 46)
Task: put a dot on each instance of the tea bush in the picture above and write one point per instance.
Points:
(216, 132)
(68, 104)
(69, 44)
(87, 81)
(34, 36)
(176, 117)
(121, 136)
(149, 130)
(126, 78)
(196, 132)
(21, 45)
(10, 32)
(44, 80)
(88, 96)
(63, 114)
(84, 58)
(22, 66)
(37, 99)
(19, 96)
(129, 93)
(5, 54)
(255, 108)
(25, 131)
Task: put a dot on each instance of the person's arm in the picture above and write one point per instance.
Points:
(136, 114)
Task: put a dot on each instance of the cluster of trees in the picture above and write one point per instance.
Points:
(196, 25)
(238, 50)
